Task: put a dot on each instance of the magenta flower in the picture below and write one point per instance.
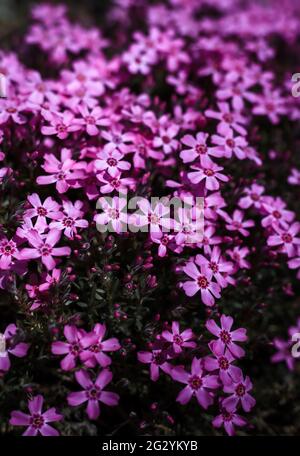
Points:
(220, 268)
(113, 214)
(201, 282)
(158, 359)
(92, 119)
(8, 253)
(179, 340)
(286, 239)
(93, 392)
(226, 337)
(228, 420)
(227, 118)
(236, 222)
(228, 144)
(166, 139)
(223, 363)
(209, 173)
(61, 124)
(70, 220)
(95, 347)
(44, 248)
(49, 209)
(197, 384)
(197, 148)
(253, 197)
(36, 421)
(111, 161)
(65, 173)
(239, 394)
(72, 348)
(284, 353)
(9, 346)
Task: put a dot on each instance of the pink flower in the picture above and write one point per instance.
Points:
(10, 346)
(113, 214)
(223, 363)
(166, 139)
(227, 118)
(93, 393)
(239, 393)
(179, 340)
(61, 124)
(92, 119)
(111, 161)
(48, 209)
(286, 239)
(65, 172)
(219, 267)
(197, 384)
(236, 222)
(70, 219)
(95, 347)
(228, 144)
(277, 214)
(36, 421)
(44, 248)
(158, 359)
(8, 253)
(226, 337)
(284, 353)
(201, 281)
(253, 197)
(210, 173)
(72, 348)
(197, 148)
(228, 420)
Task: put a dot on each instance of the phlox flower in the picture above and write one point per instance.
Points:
(238, 254)
(44, 248)
(276, 213)
(71, 219)
(93, 119)
(111, 161)
(166, 139)
(95, 347)
(253, 197)
(283, 353)
(8, 252)
(286, 239)
(179, 340)
(202, 281)
(64, 173)
(71, 348)
(222, 362)
(226, 337)
(197, 384)
(158, 359)
(113, 214)
(239, 394)
(9, 346)
(228, 144)
(209, 173)
(117, 140)
(197, 148)
(229, 420)
(61, 124)
(219, 267)
(11, 109)
(49, 209)
(37, 421)
(227, 118)
(236, 222)
(93, 392)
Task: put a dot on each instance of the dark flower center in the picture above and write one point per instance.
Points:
(202, 282)
(195, 382)
(225, 336)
